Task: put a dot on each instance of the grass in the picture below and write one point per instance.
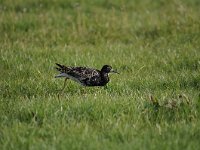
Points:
(153, 104)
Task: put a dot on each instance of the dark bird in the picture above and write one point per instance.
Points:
(85, 76)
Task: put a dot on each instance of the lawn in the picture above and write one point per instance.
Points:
(154, 103)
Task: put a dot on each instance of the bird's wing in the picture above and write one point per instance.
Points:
(83, 72)
(78, 72)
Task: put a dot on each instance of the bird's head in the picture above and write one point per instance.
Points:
(108, 69)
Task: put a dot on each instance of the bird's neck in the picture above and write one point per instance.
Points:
(104, 77)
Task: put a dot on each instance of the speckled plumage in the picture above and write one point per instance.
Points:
(86, 76)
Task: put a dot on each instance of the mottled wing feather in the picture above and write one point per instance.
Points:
(83, 73)
(93, 81)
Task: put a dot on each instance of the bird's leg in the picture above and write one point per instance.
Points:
(61, 92)
(64, 85)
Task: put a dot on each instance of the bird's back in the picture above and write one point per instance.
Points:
(84, 75)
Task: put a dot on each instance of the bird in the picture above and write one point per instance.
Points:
(85, 76)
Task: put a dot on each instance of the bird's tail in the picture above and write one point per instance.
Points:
(62, 70)
(60, 67)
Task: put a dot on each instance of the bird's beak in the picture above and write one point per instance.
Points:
(113, 71)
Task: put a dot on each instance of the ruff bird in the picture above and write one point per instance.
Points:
(84, 75)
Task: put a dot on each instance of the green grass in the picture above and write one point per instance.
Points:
(153, 104)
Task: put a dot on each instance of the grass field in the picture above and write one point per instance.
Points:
(153, 104)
